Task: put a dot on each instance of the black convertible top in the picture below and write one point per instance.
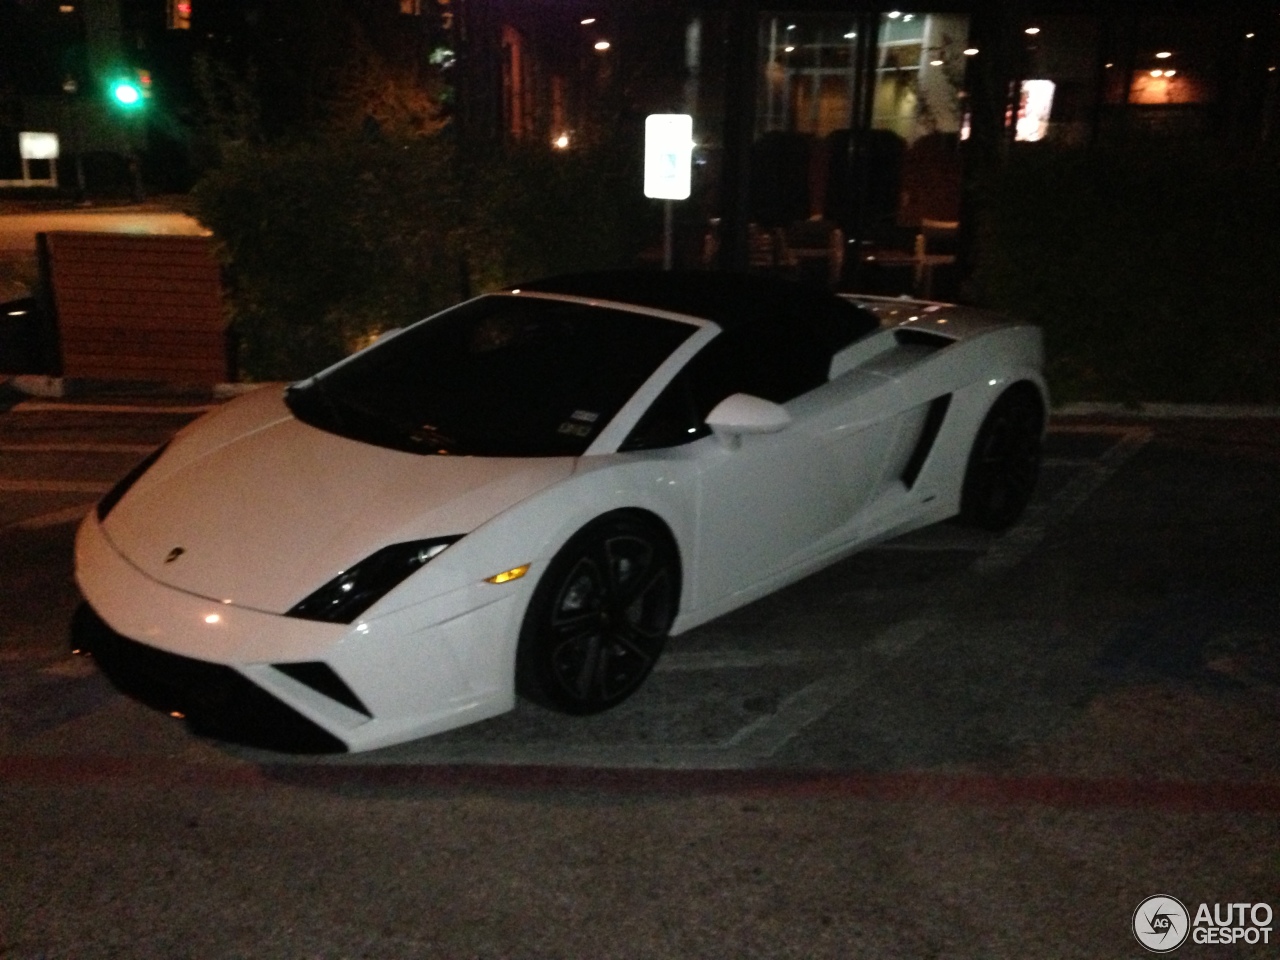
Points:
(744, 305)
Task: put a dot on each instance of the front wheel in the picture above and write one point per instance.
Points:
(599, 617)
(1004, 464)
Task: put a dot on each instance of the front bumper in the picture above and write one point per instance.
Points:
(422, 669)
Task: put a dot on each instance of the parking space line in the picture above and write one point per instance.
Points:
(1016, 544)
(54, 518)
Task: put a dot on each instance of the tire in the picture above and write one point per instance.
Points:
(599, 617)
(1004, 464)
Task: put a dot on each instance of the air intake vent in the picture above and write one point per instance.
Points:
(321, 678)
(915, 337)
(928, 433)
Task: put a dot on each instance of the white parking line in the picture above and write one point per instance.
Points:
(1016, 544)
(55, 518)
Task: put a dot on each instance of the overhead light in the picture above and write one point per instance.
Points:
(895, 14)
(971, 52)
(1163, 55)
(602, 44)
(1157, 73)
(1249, 36)
(936, 63)
(788, 49)
(1031, 31)
(587, 21)
(851, 35)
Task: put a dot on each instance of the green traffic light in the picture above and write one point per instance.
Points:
(126, 94)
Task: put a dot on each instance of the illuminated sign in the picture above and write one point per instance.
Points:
(38, 146)
(668, 155)
(1034, 109)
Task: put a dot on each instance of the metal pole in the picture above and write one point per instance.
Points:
(668, 234)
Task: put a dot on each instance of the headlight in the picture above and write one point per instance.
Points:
(359, 587)
(108, 503)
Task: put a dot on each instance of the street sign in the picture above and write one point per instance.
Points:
(668, 155)
(33, 145)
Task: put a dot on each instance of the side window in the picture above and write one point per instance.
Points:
(671, 421)
(770, 362)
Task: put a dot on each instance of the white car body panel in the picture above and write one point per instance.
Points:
(438, 650)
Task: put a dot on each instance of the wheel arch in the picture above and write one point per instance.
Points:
(647, 516)
(1030, 390)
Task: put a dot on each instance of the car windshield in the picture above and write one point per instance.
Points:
(501, 376)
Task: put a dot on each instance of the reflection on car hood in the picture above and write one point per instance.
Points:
(255, 508)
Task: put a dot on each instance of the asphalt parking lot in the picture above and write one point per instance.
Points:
(951, 745)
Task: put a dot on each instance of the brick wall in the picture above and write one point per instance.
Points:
(134, 307)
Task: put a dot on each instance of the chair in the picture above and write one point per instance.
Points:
(935, 247)
(819, 243)
(767, 249)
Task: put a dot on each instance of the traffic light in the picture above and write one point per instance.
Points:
(126, 93)
(131, 93)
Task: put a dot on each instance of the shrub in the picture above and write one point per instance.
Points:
(330, 240)
(1151, 270)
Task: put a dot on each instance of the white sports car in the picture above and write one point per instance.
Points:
(530, 492)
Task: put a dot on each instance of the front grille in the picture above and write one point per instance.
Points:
(215, 700)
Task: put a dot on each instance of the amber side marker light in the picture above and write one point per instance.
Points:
(506, 576)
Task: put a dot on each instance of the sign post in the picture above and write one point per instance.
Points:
(668, 167)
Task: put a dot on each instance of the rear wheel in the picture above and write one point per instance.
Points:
(1004, 464)
(599, 616)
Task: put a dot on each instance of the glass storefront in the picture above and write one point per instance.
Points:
(858, 124)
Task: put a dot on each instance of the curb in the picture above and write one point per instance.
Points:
(56, 388)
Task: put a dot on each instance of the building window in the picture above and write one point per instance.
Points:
(180, 14)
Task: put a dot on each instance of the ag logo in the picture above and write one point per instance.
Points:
(1161, 924)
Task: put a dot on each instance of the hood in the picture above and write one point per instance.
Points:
(264, 509)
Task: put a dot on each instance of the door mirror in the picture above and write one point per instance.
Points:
(741, 413)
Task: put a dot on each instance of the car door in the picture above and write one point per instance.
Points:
(765, 504)
(765, 501)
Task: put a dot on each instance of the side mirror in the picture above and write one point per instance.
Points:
(741, 413)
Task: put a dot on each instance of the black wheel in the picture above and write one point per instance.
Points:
(1005, 462)
(599, 616)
